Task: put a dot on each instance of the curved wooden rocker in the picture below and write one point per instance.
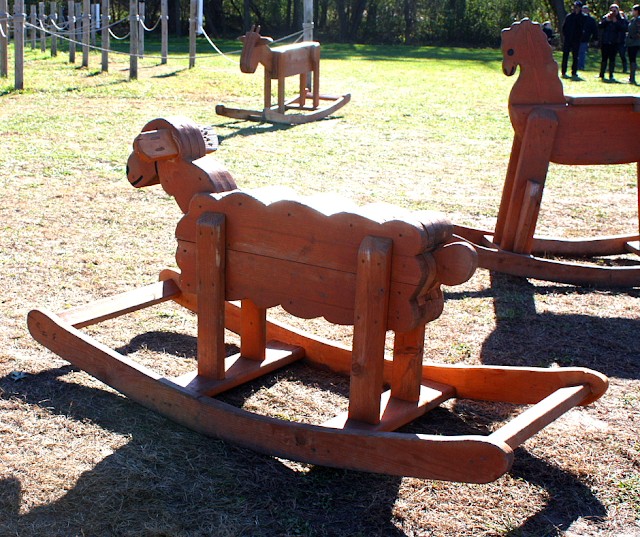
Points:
(279, 63)
(375, 267)
(552, 127)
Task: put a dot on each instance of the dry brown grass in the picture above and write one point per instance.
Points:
(78, 459)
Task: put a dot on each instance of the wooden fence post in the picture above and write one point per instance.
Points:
(53, 17)
(72, 31)
(134, 25)
(104, 41)
(141, 30)
(79, 21)
(307, 29)
(86, 21)
(32, 20)
(18, 38)
(192, 32)
(4, 39)
(94, 19)
(164, 27)
(43, 35)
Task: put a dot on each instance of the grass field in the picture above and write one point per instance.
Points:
(427, 128)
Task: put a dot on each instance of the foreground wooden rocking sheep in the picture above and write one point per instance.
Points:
(279, 63)
(375, 267)
(552, 127)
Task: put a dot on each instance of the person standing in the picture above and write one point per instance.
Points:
(623, 48)
(571, 35)
(633, 41)
(590, 32)
(613, 30)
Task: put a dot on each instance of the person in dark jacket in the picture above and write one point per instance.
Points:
(633, 42)
(613, 29)
(571, 35)
(590, 32)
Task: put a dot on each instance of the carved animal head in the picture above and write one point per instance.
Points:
(172, 152)
(252, 42)
(524, 43)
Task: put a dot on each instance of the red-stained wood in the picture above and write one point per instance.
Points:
(552, 127)
(280, 63)
(472, 459)
(370, 329)
(118, 305)
(395, 412)
(240, 369)
(540, 415)
(406, 377)
(210, 272)
(253, 333)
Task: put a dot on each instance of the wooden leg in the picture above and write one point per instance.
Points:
(507, 189)
(316, 84)
(267, 88)
(638, 176)
(370, 328)
(527, 222)
(407, 365)
(210, 274)
(303, 89)
(533, 163)
(253, 334)
(281, 93)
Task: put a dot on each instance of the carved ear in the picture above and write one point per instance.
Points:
(242, 38)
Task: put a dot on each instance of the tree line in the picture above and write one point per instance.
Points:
(467, 23)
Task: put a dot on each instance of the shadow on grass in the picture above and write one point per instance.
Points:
(248, 128)
(168, 480)
(525, 338)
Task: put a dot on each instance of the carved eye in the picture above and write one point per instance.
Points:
(510, 52)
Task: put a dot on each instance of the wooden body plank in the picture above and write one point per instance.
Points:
(472, 459)
(394, 412)
(584, 135)
(314, 255)
(370, 329)
(210, 272)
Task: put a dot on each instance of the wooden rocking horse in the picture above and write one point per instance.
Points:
(279, 63)
(552, 127)
(375, 267)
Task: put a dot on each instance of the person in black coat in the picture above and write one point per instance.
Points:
(572, 30)
(613, 29)
(590, 32)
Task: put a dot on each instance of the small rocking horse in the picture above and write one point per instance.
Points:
(376, 267)
(552, 127)
(279, 63)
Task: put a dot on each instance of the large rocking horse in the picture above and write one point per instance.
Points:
(375, 267)
(552, 127)
(279, 63)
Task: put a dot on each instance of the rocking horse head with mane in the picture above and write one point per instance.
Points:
(524, 44)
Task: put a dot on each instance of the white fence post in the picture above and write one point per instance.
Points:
(43, 35)
(32, 20)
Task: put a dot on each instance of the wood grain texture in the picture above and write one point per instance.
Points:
(210, 273)
(472, 459)
(370, 329)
